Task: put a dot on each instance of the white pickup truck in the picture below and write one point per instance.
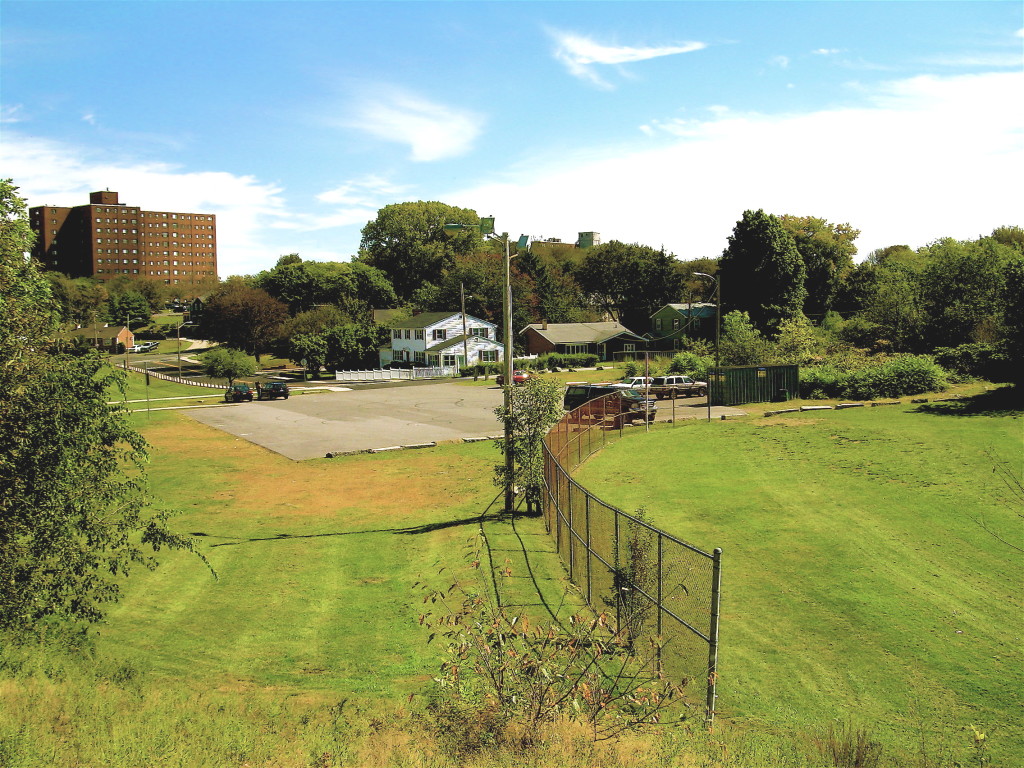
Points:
(638, 383)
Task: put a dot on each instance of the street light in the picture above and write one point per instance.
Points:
(486, 228)
(718, 331)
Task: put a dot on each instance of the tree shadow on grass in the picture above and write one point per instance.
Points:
(1005, 401)
(409, 531)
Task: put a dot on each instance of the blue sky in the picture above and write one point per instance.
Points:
(649, 122)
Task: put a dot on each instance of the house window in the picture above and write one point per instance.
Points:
(448, 360)
(575, 349)
(629, 347)
(488, 355)
(439, 334)
(399, 355)
(396, 333)
(657, 323)
(420, 334)
(421, 357)
(408, 333)
(481, 332)
(675, 323)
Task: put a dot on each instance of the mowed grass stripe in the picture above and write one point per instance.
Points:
(857, 581)
(316, 560)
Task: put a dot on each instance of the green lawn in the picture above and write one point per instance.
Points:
(316, 563)
(158, 391)
(859, 584)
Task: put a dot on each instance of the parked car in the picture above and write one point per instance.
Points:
(627, 407)
(238, 393)
(149, 345)
(135, 349)
(272, 390)
(518, 377)
(634, 382)
(674, 386)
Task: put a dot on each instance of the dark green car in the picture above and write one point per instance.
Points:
(238, 393)
(273, 389)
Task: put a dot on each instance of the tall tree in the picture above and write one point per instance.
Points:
(244, 317)
(962, 289)
(828, 251)
(408, 242)
(227, 363)
(558, 298)
(74, 515)
(302, 285)
(762, 272)
(630, 281)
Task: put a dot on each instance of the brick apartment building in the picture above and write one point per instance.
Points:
(106, 239)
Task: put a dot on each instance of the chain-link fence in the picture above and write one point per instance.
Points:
(662, 593)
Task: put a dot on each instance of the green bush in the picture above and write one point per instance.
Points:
(691, 364)
(632, 369)
(983, 361)
(902, 375)
(555, 361)
(822, 382)
(894, 377)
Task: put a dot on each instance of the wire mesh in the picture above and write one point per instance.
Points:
(658, 591)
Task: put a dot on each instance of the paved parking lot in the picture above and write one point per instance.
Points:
(309, 426)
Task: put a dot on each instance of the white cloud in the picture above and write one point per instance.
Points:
(89, 118)
(825, 51)
(12, 113)
(782, 62)
(580, 54)
(55, 173)
(432, 131)
(365, 191)
(924, 158)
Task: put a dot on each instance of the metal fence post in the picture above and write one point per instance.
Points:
(716, 594)
(616, 585)
(558, 511)
(589, 549)
(661, 560)
(572, 537)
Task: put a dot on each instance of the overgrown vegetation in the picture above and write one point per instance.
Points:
(505, 679)
(75, 517)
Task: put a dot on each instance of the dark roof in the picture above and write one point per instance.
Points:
(699, 309)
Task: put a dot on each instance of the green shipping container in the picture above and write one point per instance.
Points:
(736, 385)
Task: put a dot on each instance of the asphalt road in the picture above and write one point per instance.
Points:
(312, 425)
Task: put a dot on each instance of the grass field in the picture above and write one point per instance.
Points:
(316, 562)
(859, 584)
(859, 589)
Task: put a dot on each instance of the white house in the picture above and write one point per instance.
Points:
(437, 339)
